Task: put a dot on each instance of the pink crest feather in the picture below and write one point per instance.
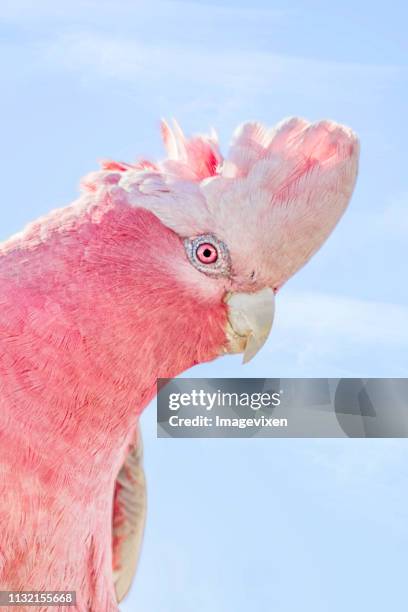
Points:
(98, 300)
(199, 157)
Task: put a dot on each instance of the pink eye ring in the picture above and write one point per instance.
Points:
(207, 253)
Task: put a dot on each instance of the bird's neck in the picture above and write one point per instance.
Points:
(91, 317)
(104, 312)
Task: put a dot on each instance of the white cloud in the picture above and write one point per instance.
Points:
(24, 11)
(389, 223)
(190, 57)
(350, 476)
(324, 335)
(215, 79)
(374, 323)
(127, 58)
(346, 462)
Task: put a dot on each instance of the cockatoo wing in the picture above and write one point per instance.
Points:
(129, 511)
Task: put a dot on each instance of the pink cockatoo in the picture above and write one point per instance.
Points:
(156, 267)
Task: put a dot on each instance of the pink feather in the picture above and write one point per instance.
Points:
(98, 300)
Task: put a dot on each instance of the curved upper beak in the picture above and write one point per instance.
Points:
(250, 318)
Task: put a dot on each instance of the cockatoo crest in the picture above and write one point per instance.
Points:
(155, 268)
(273, 199)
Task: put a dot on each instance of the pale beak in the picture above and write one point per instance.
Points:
(250, 318)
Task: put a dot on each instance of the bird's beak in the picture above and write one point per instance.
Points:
(250, 318)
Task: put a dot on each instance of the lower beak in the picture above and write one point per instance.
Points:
(250, 318)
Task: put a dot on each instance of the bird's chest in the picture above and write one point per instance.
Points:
(51, 540)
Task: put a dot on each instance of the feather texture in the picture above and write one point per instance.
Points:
(129, 512)
(98, 300)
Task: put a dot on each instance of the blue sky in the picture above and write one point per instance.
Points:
(267, 525)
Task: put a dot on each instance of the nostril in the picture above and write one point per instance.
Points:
(252, 275)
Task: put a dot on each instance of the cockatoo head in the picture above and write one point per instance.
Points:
(247, 222)
(156, 267)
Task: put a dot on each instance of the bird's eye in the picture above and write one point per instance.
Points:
(209, 255)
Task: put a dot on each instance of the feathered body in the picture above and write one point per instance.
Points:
(83, 339)
(98, 299)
